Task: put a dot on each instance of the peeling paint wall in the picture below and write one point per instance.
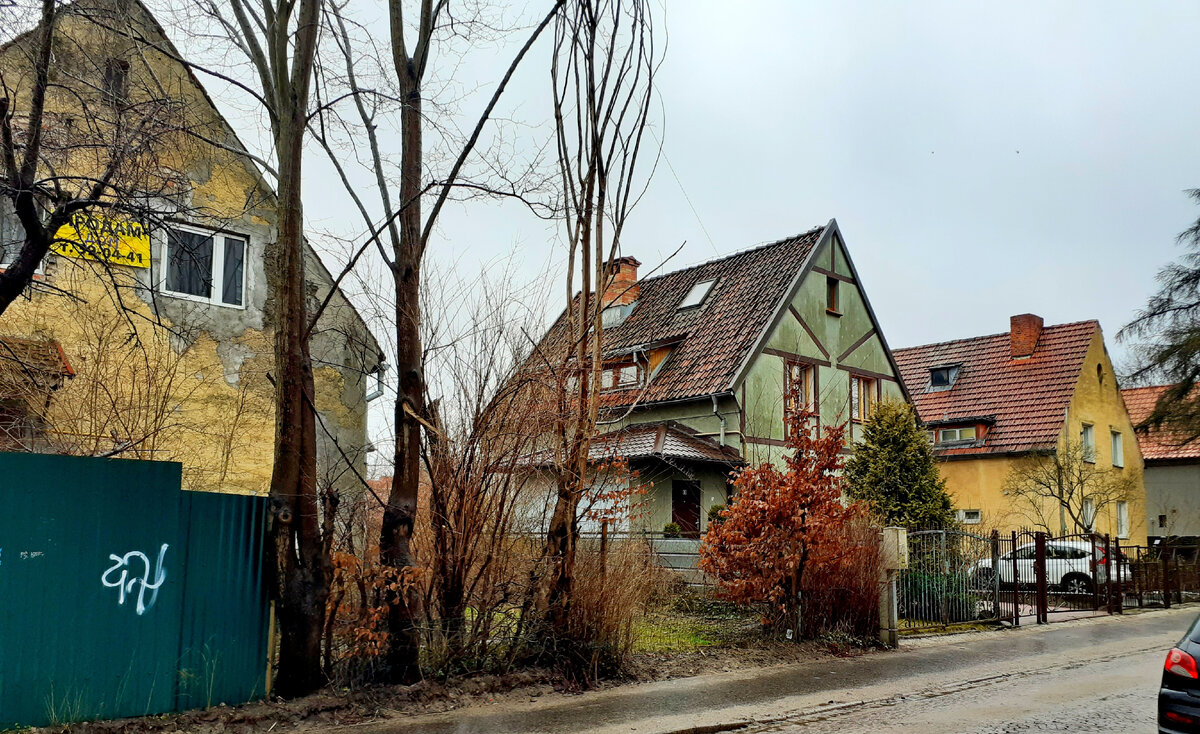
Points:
(164, 377)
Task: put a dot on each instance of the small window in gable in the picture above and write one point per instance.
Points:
(831, 296)
(116, 81)
(697, 294)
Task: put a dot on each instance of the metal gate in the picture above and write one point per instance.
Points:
(954, 578)
(121, 594)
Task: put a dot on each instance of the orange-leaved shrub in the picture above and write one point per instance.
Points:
(787, 541)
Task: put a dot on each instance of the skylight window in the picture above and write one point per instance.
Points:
(942, 377)
(697, 294)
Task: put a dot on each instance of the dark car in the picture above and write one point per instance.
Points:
(1179, 696)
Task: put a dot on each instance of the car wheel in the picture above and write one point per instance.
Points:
(1076, 583)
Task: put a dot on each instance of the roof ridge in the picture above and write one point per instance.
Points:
(982, 337)
(738, 253)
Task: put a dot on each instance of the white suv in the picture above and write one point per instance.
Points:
(1068, 566)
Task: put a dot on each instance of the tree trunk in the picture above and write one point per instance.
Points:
(302, 565)
(399, 518)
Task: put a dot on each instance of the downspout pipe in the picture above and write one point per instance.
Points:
(717, 413)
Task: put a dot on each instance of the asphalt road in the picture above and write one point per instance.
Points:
(1098, 675)
(1110, 687)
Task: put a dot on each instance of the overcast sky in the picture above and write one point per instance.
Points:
(982, 159)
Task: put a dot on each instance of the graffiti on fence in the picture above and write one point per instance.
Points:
(127, 581)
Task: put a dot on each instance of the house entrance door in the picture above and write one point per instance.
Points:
(685, 507)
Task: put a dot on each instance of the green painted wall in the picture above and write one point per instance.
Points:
(758, 399)
(764, 382)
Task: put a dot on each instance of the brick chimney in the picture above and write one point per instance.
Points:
(622, 287)
(1024, 332)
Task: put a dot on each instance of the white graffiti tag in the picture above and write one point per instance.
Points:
(127, 581)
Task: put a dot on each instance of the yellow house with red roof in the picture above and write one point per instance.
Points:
(1172, 471)
(992, 401)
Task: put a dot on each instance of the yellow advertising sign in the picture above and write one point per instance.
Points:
(98, 237)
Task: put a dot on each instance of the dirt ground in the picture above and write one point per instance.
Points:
(333, 707)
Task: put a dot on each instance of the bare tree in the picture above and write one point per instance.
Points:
(1064, 491)
(279, 40)
(401, 229)
(602, 76)
(85, 128)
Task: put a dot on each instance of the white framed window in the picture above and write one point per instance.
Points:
(627, 375)
(620, 377)
(1122, 520)
(12, 236)
(952, 435)
(1089, 515)
(1087, 437)
(1118, 450)
(970, 517)
(203, 265)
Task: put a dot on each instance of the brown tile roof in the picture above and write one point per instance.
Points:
(657, 440)
(713, 339)
(1157, 444)
(1025, 399)
(32, 363)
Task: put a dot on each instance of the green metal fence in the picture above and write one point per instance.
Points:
(121, 594)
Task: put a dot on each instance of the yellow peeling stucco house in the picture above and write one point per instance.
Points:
(152, 319)
(993, 402)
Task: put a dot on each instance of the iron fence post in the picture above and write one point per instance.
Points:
(996, 573)
(1108, 573)
(1016, 598)
(1121, 566)
(1039, 574)
(1166, 575)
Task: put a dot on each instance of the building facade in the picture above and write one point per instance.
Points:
(1172, 472)
(698, 363)
(993, 403)
(164, 317)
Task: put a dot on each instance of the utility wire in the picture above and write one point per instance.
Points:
(683, 191)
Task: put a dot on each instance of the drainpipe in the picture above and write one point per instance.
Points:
(717, 413)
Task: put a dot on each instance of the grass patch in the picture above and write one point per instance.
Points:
(694, 623)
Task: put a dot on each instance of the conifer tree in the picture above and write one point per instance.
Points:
(893, 470)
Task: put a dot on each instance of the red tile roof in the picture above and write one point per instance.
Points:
(712, 339)
(1025, 399)
(1157, 444)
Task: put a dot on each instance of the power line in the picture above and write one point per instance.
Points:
(683, 191)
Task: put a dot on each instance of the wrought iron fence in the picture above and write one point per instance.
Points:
(954, 578)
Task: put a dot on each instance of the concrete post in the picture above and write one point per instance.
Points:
(894, 552)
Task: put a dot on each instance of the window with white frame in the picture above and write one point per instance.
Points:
(1089, 515)
(204, 265)
(1087, 437)
(954, 435)
(1122, 520)
(970, 517)
(11, 234)
(1118, 450)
